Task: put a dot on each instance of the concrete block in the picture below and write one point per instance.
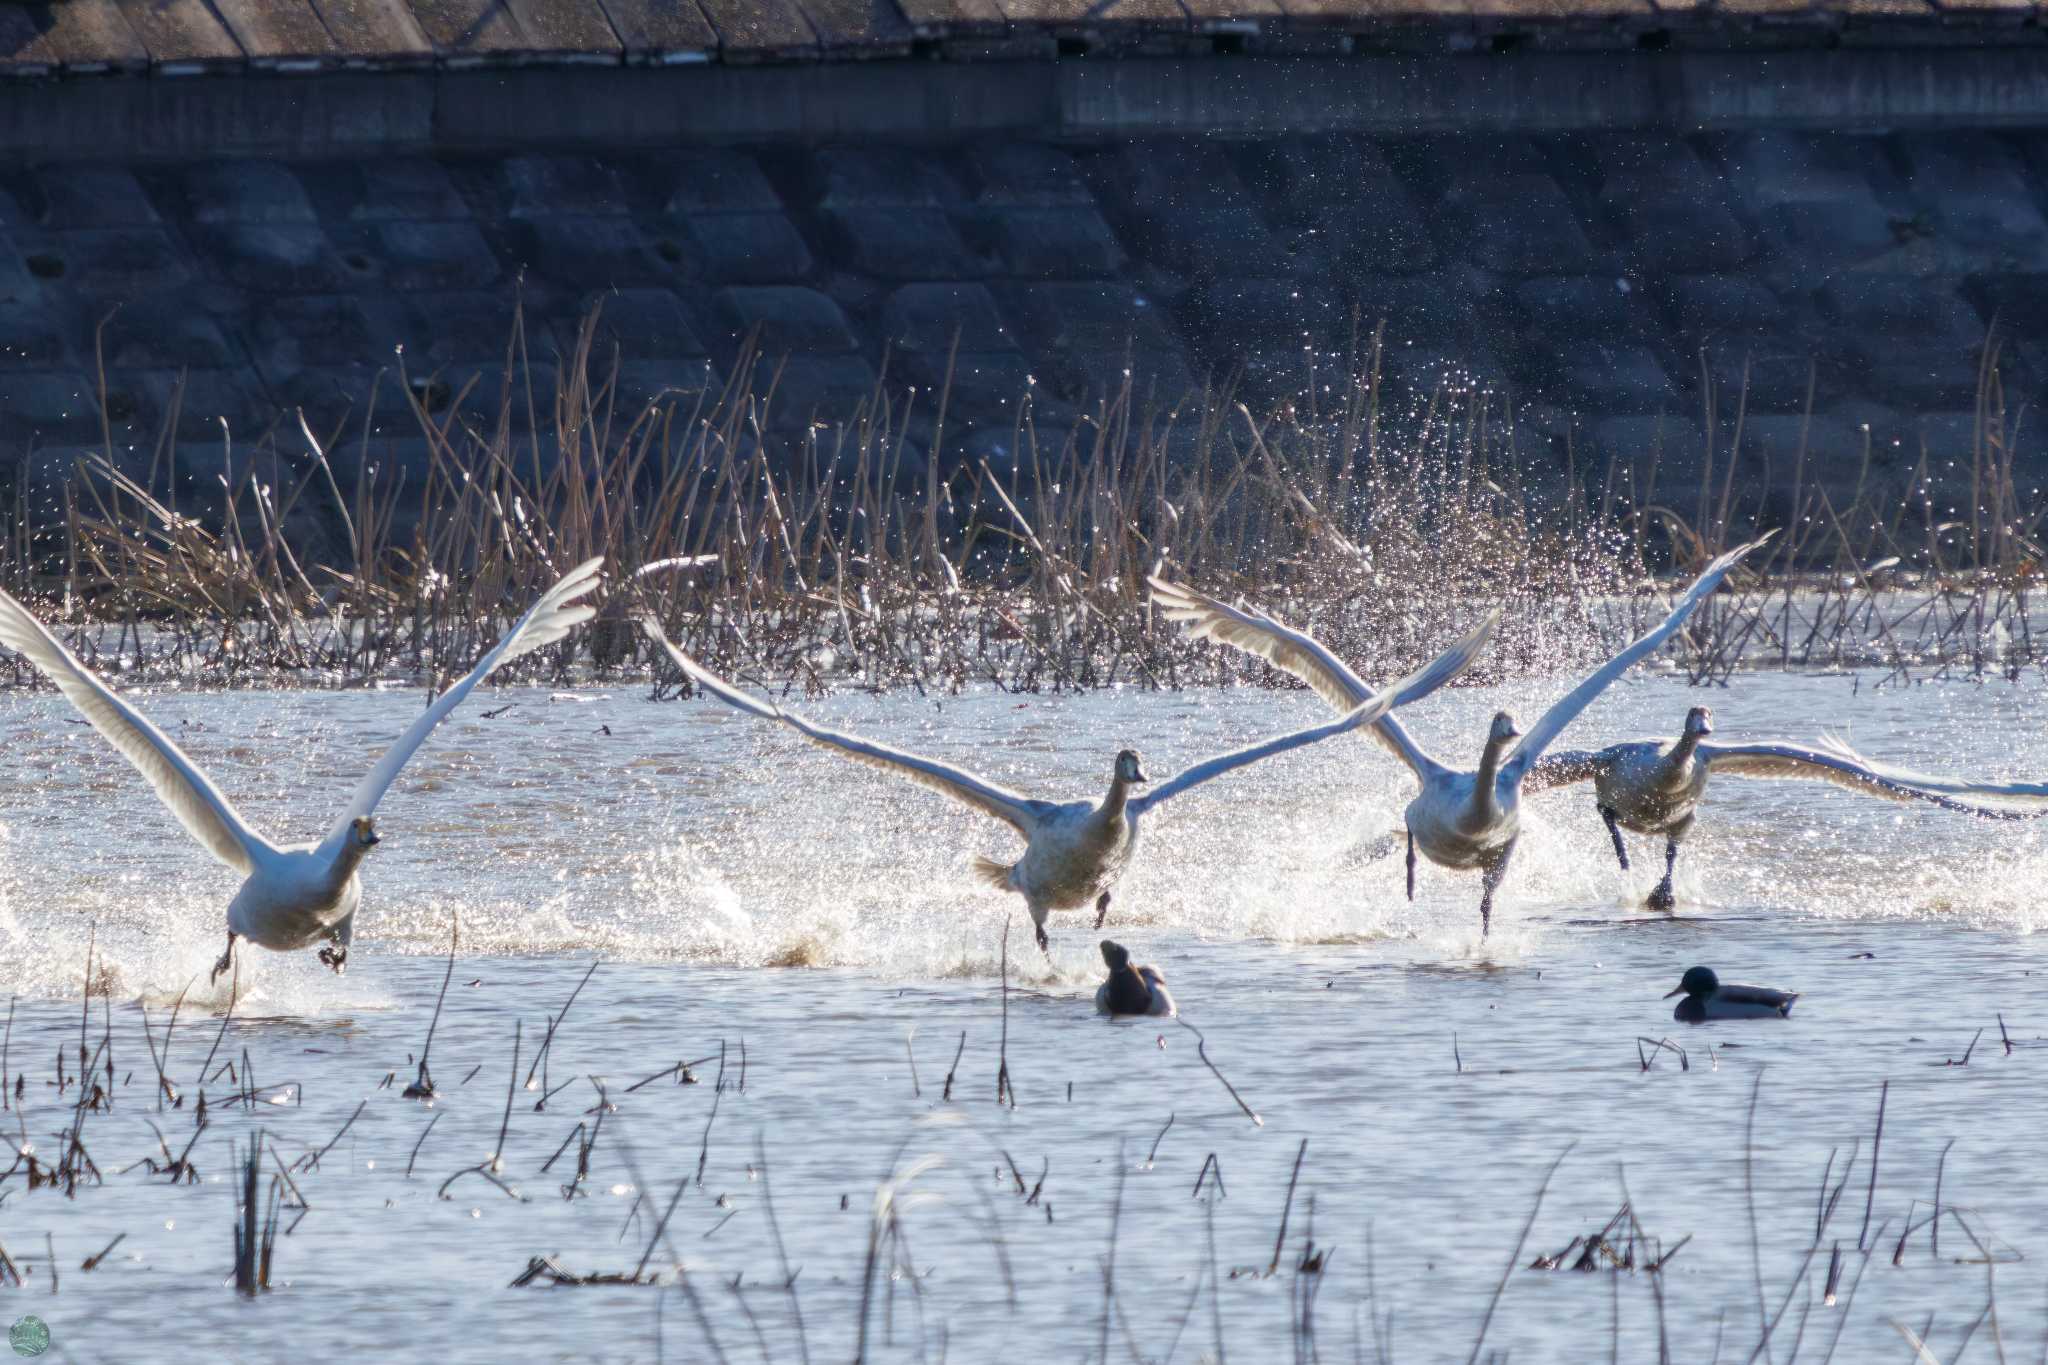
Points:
(244, 192)
(459, 327)
(817, 388)
(1228, 317)
(1519, 223)
(56, 407)
(91, 194)
(105, 261)
(1417, 309)
(405, 255)
(744, 248)
(1711, 305)
(1382, 231)
(159, 331)
(787, 318)
(576, 251)
(195, 402)
(400, 187)
(287, 335)
(900, 243)
(1098, 318)
(559, 186)
(276, 258)
(884, 177)
(644, 324)
(1036, 242)
(33, 334)
(928, 318)
(1027, 173)
(716, 181)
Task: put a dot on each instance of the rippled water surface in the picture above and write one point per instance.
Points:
(816, 924)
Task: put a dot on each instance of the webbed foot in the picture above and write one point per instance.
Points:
(1044, 943)
(226, 963)
(1101, 909)
(335, 955)
(1661, 898)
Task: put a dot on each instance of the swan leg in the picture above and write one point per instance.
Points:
(1038, 927)
(1411, 864)
(1620, 848)
(1662, 898)
(227, 960)
(1101, 909)
(1489, 881)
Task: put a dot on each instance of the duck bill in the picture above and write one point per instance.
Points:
(1679, 991)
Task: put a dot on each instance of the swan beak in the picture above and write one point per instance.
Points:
(1138, 775)
(371, 838)
(1679, 991)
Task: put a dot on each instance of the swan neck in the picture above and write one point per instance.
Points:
(1113, 804)
(1489, 772)
(1682, 752)
(346, 861)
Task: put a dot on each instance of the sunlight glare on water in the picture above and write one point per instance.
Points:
(702, 856)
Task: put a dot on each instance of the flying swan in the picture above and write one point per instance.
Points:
(1460, 819)
(292, 896)
(1654, 786)
(1074, 850)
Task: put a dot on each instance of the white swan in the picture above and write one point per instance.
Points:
(1653, 786)
(1074, 851)
(1459, 819)
(299, 894)
(1132, 990)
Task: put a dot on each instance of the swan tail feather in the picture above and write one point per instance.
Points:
(994, 873)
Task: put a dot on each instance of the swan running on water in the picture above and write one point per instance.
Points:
(296, 895)
(1654, 786)
(1459, 819)
(1075, 850)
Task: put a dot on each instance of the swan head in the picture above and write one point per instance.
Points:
(1127, 767)
(1697, 981)
(1115, 955)
(1504, 729)
(1699, 722)
(365, 831)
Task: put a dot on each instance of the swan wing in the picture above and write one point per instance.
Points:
(177, 780)
(1552, 722)
(1264, 636)
(1833, 761)
(958, 783)
(545, 622)
(1565, 767)
(1416, 685)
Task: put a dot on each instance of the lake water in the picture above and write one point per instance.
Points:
(744, 892)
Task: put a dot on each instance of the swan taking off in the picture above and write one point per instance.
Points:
(1707, 997)
(1460, 819)
(299, 894)
(1131, 990)
(1654, 786)
(1074, 851)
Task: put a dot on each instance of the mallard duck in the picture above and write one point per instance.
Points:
(1074, 851)
(1706, 998)
(1652, 786)
(1461, 819)
(299, 894)
(1131, 990)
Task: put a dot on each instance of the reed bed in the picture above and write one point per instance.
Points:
(886, 547)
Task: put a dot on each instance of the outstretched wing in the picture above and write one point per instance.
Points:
(1416, 685)
(178, 782)
(545, 622)
(1832, 761)
(1294, 651)
(957, 783)
(1565, 767)
(1538, 736)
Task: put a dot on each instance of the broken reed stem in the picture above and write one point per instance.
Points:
(1004, 1092)
(554, 1021)
(1153, 1154)
(1273, 1266)
(1877, 1139)
(234, 994)
(419, 1144)
(1756, 1255)
(422, 1087)
(1202, 1051)
(947, 1094)
(1515, 1256)
(796, 1311)
(910, 1051)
